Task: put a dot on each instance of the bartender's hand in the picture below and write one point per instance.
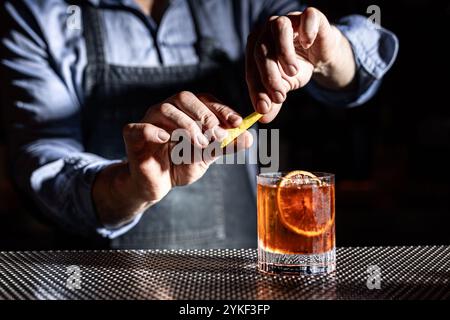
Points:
(122, 191)
(288, 51)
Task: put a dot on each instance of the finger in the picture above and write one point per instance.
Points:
(269, 72)
(309, 27)
(155, 117)
(182, 121)
(295, 18)
(227, 116)
(260, 100)
(190, 104)
(283, 35)
(258, 97)
(268, 117)
(200, 113)
(313, 24)
(244, 141)
(138, 136)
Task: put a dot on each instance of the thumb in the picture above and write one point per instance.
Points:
(311, 25)
(139, 137)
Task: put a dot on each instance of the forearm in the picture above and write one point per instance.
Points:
(115, 196)
(339, 73)
(59, 178)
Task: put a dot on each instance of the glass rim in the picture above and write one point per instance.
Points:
(277, 176)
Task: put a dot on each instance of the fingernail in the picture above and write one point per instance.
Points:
(234, 119)
(279, 96)
(163, 136)
(220, 133)
(293, 70)
(263, 106)
(202, 140)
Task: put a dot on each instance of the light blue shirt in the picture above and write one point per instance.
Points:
(41, 83)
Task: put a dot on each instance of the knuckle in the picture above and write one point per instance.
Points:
(220, 107)
(290, 84)
(273, 18)
(148, 132)
(185, 97)
(272, 82)
(142, 166)
(126, 130)
(192, 127)
(209, 120)
(164, 108)
(312, 9)
(282, 22)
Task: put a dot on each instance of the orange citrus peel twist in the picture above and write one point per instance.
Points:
(236, 132)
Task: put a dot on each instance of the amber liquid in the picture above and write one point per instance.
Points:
(305, 208)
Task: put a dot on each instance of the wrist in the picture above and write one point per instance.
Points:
(115, 196)
(124, 187)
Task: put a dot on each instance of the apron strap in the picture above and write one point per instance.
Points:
(94, 35)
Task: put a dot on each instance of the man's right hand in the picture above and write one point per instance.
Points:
(124, 190)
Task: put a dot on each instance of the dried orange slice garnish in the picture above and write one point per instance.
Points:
(298, 210)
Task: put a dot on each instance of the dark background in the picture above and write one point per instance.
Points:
(390, 156)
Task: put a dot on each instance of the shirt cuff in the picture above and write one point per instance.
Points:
(72, 178)
(87, 202)
(375, 50)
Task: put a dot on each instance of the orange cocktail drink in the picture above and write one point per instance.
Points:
(296, 214)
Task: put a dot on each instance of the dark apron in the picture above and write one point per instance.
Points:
(217, 211)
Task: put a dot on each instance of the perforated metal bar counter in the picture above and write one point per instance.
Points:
(405, 273)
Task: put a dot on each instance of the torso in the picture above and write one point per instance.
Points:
(216, 211)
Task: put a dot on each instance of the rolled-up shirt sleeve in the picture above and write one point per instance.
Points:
(42, 117)
(375, 50)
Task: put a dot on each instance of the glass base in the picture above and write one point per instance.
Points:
(278, 263)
